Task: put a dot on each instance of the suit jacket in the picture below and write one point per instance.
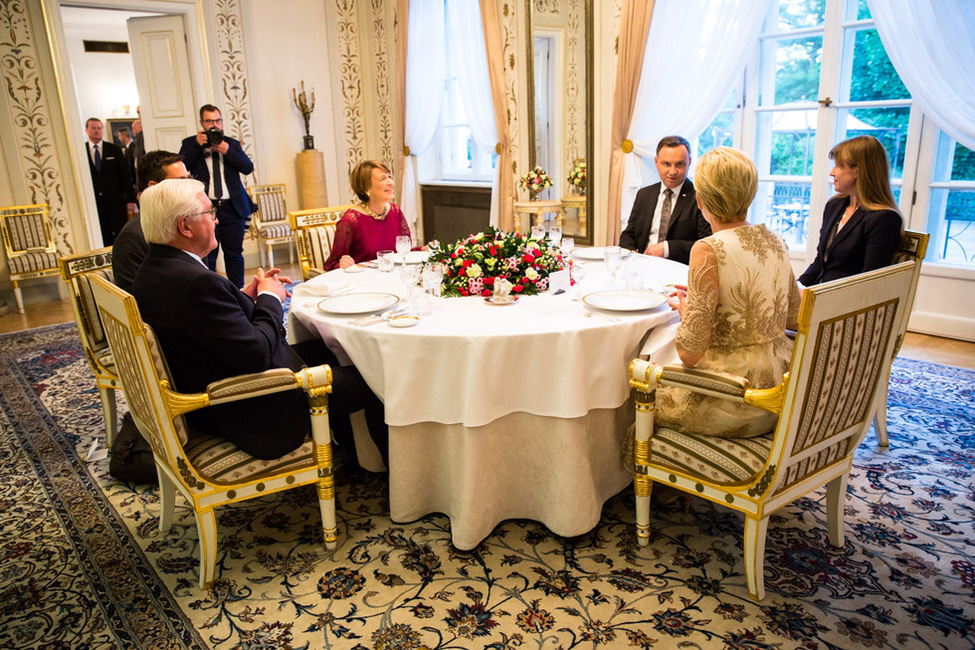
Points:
(687, 224)
(210, 330)
(129, 152)
(128, 252)
(868, 241)
(113, 189)
(234, 163)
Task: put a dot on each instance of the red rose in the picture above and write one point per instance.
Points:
(486, 293)
(463, 292)
(517, 288)
(527, 259)
(466, 264)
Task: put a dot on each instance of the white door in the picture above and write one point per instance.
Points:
(162, 75)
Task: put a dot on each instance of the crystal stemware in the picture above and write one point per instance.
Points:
(613, 256)
(403, 246)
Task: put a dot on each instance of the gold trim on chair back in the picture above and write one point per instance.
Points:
(315, 232)
(847, 330)
(75, 271)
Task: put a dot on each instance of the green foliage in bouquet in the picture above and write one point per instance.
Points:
(472, 265)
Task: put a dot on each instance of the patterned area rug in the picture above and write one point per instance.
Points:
(83, 566)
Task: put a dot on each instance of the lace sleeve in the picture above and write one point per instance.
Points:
(795, 300)
(344, 232)
(694, 333)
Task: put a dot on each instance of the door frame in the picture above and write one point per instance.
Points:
(198, 55)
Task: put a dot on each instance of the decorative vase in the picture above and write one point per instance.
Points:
(532, 195)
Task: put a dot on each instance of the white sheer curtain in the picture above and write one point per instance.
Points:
(696, 51)
(932, 46)
(424, 94)
(468, 51)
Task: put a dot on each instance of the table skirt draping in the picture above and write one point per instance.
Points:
(556, 471)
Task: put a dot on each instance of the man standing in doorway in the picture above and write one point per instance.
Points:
(114, 193)
(218, 161)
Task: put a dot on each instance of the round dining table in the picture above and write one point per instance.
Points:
(496, 412)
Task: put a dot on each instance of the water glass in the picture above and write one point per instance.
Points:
(432, 278)
(568, 243)
(423, 303)
(613, 256)
(578, 273)
(555, 235)
(403, 246)
(385, 261)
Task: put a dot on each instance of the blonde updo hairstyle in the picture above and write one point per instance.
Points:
(726, 181)
(361, 177)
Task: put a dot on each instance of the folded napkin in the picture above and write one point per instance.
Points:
(321, 289)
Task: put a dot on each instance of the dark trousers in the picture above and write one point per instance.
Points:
(350, 393)
(230, 238)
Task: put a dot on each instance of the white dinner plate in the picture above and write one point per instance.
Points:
(595, 253)
(413, 257)
(358, 303)
(623, 300)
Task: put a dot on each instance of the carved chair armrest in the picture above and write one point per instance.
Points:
(646, 376)
(312, 272)
(252, 385)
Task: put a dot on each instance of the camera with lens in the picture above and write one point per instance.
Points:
(214, 136)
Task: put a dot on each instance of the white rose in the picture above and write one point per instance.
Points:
(474, 271)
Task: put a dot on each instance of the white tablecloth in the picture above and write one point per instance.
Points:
(497, 412)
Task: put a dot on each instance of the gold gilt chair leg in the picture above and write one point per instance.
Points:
(207, 525)
(167, 501)
(110, 413)
(880, 414)
(835, 499)
(755, 530)
(19, 296)
(642, 485)
(320, 385)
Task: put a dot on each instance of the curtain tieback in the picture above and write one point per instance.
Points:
(406, 151)
(626, 146)
(497, 148)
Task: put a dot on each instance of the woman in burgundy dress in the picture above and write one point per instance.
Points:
(371, 226)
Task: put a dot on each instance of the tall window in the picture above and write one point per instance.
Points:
(454, 155)
(951, 201)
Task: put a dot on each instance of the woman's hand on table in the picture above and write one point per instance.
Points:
(677, 299)
(346, 261)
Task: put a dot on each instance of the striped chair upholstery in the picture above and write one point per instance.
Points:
(913, 247)
(31, 252)
(76, 271)
(847, 332)
(270, 224)
(315, 232)
(209, 472)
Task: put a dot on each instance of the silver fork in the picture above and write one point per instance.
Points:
(374, 319)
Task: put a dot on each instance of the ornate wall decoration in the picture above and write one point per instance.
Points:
(511, 52)
(350, 81)
(547, 7)
(236, 104)
(381, 62)
(575, 72)
(30, 108)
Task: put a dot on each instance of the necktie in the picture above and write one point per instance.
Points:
(98, 158)
(665, 215)
(217, 177)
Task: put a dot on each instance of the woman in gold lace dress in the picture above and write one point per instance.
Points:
(741, 297)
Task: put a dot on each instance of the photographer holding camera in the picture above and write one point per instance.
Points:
(218, 161)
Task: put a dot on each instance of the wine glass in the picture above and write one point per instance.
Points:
(613, 256)
(403, 246)
(578, 274)
(568, 243)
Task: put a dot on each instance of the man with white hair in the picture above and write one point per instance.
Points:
(210, 330)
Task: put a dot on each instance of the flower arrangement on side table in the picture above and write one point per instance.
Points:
(577, 177)
(474, 263)
(535, 181)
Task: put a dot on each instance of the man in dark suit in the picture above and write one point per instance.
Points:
(138, 147)
(128, 150)
(211, 330)
(665, 220)
(130, 246)
(114, 194)
(209, 151)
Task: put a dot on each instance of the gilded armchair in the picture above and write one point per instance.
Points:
(315, 232)
(848, 330)
(210, 471)
(270, 224)
(31, 252)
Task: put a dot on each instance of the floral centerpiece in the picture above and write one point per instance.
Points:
(536, 180)
(474, 263)
(577, 178)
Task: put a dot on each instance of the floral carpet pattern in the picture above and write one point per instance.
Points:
(82, 564)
